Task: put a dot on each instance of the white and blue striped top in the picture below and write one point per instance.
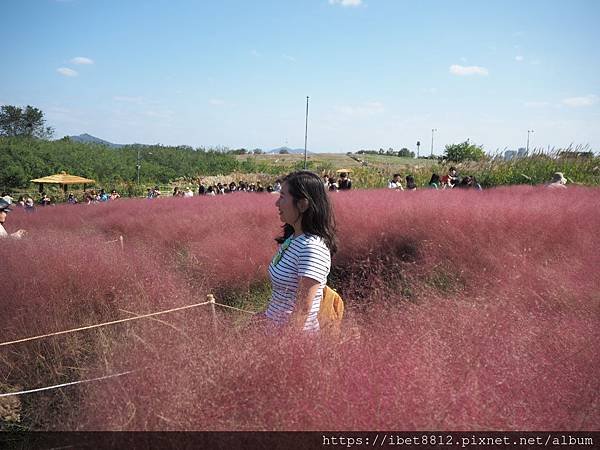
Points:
(305, 256)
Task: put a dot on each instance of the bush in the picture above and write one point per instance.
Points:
(464, 311)
(464, 151)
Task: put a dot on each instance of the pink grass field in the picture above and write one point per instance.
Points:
(464, 311)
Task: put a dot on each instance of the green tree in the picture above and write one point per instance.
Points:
(464, 151)
(28, 122)
(406, 153)
(13, 176)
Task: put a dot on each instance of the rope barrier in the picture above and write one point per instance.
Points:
(237, 309)
(56, 386)
(112, 322)
(211, 300)
(119, 240)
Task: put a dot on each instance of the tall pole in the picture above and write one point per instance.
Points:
(528, 131)
(432, 131)
(137, 166)
(305, 132)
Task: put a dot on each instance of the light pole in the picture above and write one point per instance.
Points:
(305, 132)
(138, 166)
(418, 146)
(433, 130)
(528, 131)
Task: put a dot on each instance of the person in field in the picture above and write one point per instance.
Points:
(469, 182)
(396, 182)
(411, 185)
(434, 182)
(299, 269)
(344, 183)
(45, 200)
(558, 181)
(453, 177)
(4, 210)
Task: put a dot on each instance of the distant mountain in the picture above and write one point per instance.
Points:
(89, 139)
(294, 151)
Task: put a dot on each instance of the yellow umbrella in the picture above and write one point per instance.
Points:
(63, 179)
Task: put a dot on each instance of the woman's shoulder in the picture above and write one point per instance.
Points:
(312, 241)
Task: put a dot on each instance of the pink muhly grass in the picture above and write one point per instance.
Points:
(465, 311)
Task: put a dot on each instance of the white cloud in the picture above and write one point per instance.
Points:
(365, 109)
(289, 58)
(216, 101)
(519, 58)
(82, 60)
(67, 72)
(456, 69)
(577, 102)
(346, 2)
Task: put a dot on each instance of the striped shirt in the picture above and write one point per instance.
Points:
(305, 256)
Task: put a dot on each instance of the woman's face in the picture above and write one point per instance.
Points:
(288, 212)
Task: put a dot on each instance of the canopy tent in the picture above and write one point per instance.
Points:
(343, 171)
(63, 179)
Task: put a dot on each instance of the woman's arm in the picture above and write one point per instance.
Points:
(307, 291)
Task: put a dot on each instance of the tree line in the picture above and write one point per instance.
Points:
(26, 153)
(24, 158)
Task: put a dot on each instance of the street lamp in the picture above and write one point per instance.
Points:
(305, 132)
(138, 165)
(528, 131)
(418, 146)
(433, 130)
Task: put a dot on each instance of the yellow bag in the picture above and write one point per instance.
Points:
(331, 310)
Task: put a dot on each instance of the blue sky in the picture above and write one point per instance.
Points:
(379, 73)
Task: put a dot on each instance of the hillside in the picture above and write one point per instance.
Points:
(89, 139)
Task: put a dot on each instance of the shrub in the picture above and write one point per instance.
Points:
(465, 311)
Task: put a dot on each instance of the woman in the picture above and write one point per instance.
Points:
(300, 267)
(434, 182)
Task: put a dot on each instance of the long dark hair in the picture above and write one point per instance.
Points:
(318, 218)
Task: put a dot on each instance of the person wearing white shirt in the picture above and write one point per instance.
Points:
(4, 210)
(299, 269)
(396, 182)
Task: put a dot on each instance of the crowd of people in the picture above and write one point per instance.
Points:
(342, 183)
(449, 181)
(330, 183)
